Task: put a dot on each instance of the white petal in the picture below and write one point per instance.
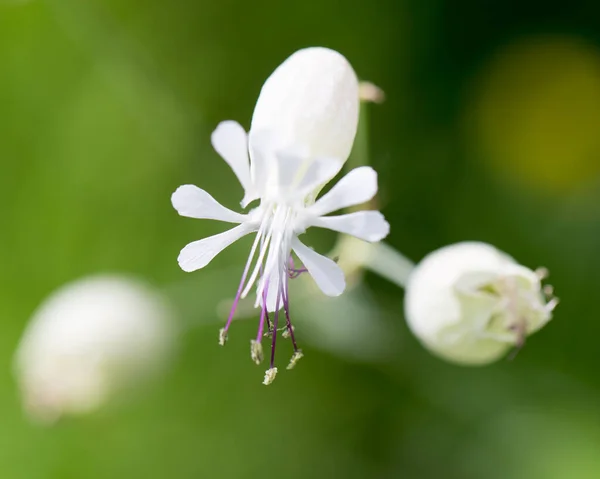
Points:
(198, 254)
(311, 99)
(274, 265)
(326, 273)
(366, 225)
(357, 187)
(193, 202)
(231, 142)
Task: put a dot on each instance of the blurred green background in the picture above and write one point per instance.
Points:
(490, 131)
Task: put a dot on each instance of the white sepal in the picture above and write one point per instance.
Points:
(311, 99)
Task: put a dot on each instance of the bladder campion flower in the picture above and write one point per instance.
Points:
(89, 340)
(470, 303)
(302, 132)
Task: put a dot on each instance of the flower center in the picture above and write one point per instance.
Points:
(520, 310)
(272, 270)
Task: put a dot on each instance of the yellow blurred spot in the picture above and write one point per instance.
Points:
(535, 114)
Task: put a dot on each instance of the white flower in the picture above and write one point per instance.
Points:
(88, 340)
(302, 132)
(470, 303)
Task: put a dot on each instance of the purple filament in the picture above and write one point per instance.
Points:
(275, 320)
(269, 326)
(286, 308)
(263, 315)
(292, 271)
(238, 294)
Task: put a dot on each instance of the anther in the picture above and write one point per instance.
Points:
(222, 336)
(297, 356)
(270, 376)
(542, 273)
(286, 332)
(256, 351)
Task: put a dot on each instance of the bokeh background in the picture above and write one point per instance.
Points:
(490, 131)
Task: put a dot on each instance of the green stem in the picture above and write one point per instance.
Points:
(360, 152)
(356, 255)
(389, 263)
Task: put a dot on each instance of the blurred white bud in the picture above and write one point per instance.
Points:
(469, 303)
(370, 92)
(311, 100)
(88, 340)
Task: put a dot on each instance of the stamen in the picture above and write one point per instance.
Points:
(264, 312)
(286, 308)
(279, 247)
(275, 321)
(223, 331)
(290, 328)
(294, 272)
(548, 290)
(269, 331)
(264, 247)
(222, 336)
(272, 371)
(286, 333)
(270, 376)
(542, 273)
(263, 316)
(256, 351)
(297, 356)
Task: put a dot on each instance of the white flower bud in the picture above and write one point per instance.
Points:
(88, 340)
(470, 303)
(310, 101)
(370, 92)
